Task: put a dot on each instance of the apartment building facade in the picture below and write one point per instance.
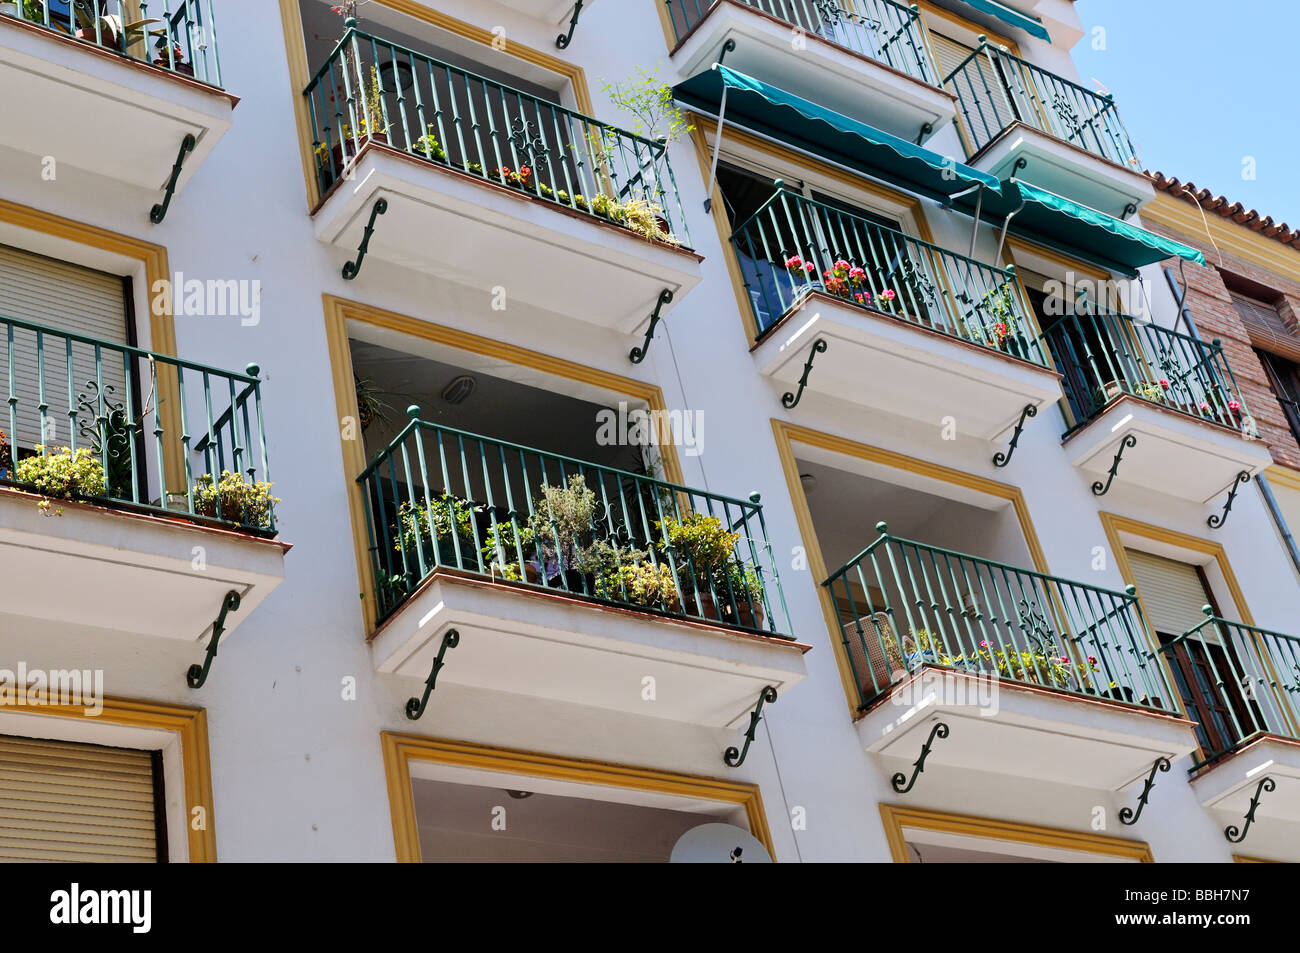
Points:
(872, 466)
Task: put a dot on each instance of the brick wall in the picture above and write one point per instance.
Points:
(1215, 316)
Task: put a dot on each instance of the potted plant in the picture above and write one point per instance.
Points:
(65, 474)
(232, 499)
(561, 527)
(6, 457)
(370, 405)
(370, 126)
(646, 584)
(174, 61)
(441, 529)
(715, 581)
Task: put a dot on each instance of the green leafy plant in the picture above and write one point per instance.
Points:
(62, 475)
(649, 101)
(437, 518)
(640, 584)
(371, 406)
(429, 146)
(234, 499)
(561, 525)
(701, 543)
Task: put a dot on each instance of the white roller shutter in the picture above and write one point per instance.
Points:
(61, 801)
(66, 298)
(985, 91)
(1171, 591)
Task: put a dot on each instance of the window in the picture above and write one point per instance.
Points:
(1204, 666)
(63, 801)
(1284, 379)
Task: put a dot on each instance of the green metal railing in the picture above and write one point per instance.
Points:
(1105, 354)
(995, 89)
(443, 499)
(117, 402)
(176, 35)
(881, 30)
(904, 604)
(1238, 681)
(372, 90)
(793, 246)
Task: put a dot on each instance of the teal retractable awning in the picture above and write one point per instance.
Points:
(1050, 219)
(1021, 21)
(779, 115)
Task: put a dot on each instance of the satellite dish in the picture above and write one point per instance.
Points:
(719, 844)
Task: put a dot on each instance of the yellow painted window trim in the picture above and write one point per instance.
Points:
(191, 727)
(787, 434)
(162, 327)
(895, 818)
(339, 311)
(300, 75)
(1209, 231)
(400, 750)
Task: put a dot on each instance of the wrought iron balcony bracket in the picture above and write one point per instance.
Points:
(1101, 489)
(901, 782)
(564, 39)
(1129, 816)
(1231, 832)
(198, 674)
(159, 211)
(637, 354)
(353, 268)
(728, 47)
(1218, 519)
(415, 706)
(926, 129)
(791, 401)
(734, 757)
(1001, 459)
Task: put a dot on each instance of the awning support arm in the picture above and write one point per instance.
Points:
(717, 142)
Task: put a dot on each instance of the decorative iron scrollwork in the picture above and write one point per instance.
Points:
(637, 354)
(1218, 519)
(734, 757)
(1129, 816)
(564, 39)
(529, 142)
(353, 268)
(159, 211)
(1101, 489)
(1231, 832)
(791, 401)
(415, 706)
(901, 782)
(198, 674)
(1001, 459)
(832, 13)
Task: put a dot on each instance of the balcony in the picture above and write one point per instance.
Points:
(1173, 394)
(516, 179)
(1242, 684)
(117, 95)
(137, 507)
(571, 581)
(1036, 677)
(866, 59)
(1020, 120)
(910, 328)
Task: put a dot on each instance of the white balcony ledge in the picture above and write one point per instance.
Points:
(548, 11)
(1020, 731)
(102, 113)
(547, 645)
(903, 369)
(824, 72)
(128, 572)
(1176, 454)
(1228, 784)
(1066, 169)
(463, 229)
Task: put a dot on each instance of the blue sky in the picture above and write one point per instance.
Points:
(1201, 85)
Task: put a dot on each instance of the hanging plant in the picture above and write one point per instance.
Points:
(370, 405)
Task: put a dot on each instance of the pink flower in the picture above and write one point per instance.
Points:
(1165, 385)
(841, 265)
(1233, 405)
(984, 644)
(1065, 658)
(809, 267)
(857, 271)
(795, 262)
(1205, 407)
(888, 294)
(860, 298)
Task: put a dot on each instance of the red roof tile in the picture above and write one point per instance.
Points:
(1235, 211)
